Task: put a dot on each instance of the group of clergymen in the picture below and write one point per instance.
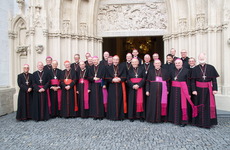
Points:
(178, 91)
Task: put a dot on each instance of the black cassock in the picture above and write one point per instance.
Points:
(55, 74)
(104, 62)
(75, 66)
(82, 89)
(69, 100)
(115, 94)
(40, 110)
(153, 101)
(174, 103)
(135, 73)
(147, 67)
(25, 98)
(96, 96)
(47, 68)
(168, 66)
(204, 118)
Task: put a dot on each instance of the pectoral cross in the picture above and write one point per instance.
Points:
(146, 72)
(204, 77)
(95, 75)
(55, 77)
(175, 78)
(136, 75)
(115, 74)
(27, 82)
(40, 80)
(66, 79)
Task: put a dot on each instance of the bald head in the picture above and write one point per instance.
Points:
(135, 62)
(129, 57)
(40, 66)
(147, 58)
(157, 64)
(54, 64)
(173, 52)
(178, 63)
(116, 60)
(202, 58)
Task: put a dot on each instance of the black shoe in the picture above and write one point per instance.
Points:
(182, 125)
(131, 120)
(142, 120)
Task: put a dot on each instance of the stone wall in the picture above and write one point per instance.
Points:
(6, 100)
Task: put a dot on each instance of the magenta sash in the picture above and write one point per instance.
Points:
(98, 81)
(105, 95)
(185, 96)
(164, 97)
(139, 96)
(59, 91)
(48, 97)
(86, 94)
(212, 99)
(105, 98)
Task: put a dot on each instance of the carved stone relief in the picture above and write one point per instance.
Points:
(132, 17)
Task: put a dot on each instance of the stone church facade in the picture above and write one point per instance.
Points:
(62, 28)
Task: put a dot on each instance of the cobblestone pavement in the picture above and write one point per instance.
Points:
(94, 134)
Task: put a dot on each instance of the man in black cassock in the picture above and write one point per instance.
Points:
(69, 104)
(104, 61)
(87, 55)
(136, 100)
(48, 65)
(173, 53)
(204, 86)
(147, 65)
(96, 75)
(169, 65)
(157, 87)
(192, 65)
(74, 66)
(135, 55)
(184, 59)
(89, 62)
(127, 63)
(55, 90)
(117, 104)
(25, 95)
(40, 110)
(83, 89)
(179, 96)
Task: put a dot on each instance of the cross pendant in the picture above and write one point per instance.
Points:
(27, 82)
(204, 77)
(115, 74)
(55, 77)
(40, 80)
(175, 78)
(146, 72)
(136, 75)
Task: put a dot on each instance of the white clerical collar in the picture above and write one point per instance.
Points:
(128, 61)
(83, 69)
(40, 71)
(158, 68)
(96, 65)
(192, 66)
(146, 63)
